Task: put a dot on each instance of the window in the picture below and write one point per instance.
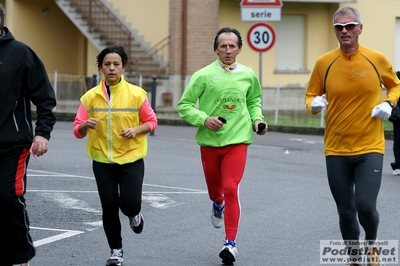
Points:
(290, 44)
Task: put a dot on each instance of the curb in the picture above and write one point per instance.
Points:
(180, 122)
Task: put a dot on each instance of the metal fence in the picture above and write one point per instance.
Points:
(286, 106)
(281, 105)
(69, 89)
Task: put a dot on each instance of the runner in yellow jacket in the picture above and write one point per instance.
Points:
(117, 116)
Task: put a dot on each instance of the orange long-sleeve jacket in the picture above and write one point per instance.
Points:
(353, 87)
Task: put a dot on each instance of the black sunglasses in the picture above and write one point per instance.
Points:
(349, 26)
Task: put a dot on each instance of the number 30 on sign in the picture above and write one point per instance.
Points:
(261, 37)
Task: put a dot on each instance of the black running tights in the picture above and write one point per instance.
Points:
(119, 187)
(355, 182)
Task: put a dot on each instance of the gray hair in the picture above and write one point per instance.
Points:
(2, 12)
(345, 10)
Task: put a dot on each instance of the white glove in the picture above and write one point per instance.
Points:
(318, 103)
(382, 111)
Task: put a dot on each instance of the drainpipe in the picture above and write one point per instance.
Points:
(184, 42)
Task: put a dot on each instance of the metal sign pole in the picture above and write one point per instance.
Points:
(260, 67)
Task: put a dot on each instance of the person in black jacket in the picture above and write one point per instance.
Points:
(395, 119)
(23, 79)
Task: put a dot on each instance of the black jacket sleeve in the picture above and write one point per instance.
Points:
(41, 94)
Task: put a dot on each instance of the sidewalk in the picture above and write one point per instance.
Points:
(170, 116)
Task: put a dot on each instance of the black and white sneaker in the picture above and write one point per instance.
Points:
(136, 223)
(116, 257)
(228, 252)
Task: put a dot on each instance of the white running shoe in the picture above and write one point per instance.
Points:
(396, 172)
(116, 257)
(229, 252)
(217, 215)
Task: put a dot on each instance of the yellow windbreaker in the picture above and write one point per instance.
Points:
(105, 144)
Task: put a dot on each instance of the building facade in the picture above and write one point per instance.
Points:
(304, 33)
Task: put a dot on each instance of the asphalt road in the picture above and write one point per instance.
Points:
(286, 205)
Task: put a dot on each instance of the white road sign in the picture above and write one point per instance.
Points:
(261, 37)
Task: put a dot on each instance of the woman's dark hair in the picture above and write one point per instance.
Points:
(227, 29)
(112, 49)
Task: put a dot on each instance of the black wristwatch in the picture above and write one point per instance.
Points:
(390, 103)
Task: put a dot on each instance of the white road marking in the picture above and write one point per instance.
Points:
(184, 190)
(67, 202)
(95, 191)
(264, 147)
(95, 224)
(181, 188)
(156, 199)
(46, 173)
(48, 240)
(160, 201)
(306, 141)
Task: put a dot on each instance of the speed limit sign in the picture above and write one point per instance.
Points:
(261, 37)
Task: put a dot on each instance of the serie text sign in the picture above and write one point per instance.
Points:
(260, 10)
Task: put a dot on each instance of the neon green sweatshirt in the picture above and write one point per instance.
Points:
(235, 97)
